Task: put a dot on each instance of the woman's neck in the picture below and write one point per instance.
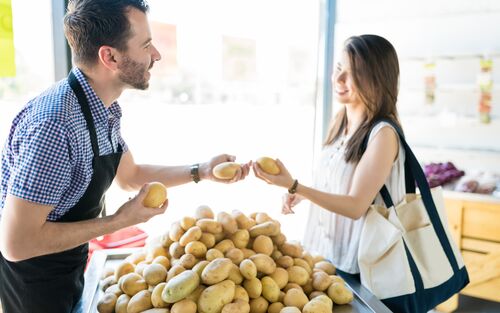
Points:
(355, 116)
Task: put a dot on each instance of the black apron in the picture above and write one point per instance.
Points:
(53, 283)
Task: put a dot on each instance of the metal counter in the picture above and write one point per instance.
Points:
(364, 301)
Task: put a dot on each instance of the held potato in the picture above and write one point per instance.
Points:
(157, 195)
(226, 170)
(268, 165)
(180, 286)
(213, 299)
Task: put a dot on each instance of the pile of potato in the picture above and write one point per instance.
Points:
(231, 264)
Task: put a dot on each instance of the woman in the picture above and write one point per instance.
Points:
(350, 176)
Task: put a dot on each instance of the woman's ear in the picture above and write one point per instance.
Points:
(108, 57)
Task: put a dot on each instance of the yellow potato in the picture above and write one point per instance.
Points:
(339, 293)
(264, 263)
(320, 304)
(298, 275)
(184, 306)
(235, 255)
(268, 165)
(122, 269)
(290, 309)
(187, 222)
(241, 294)
(192, 234)
(154, 274)
(269, 228)
(216, 271)
(180, 286)
(326, 267)
(141, 301)
(208, 240)
(248, 269)
(213, 299)
(229, 224)
(226, 170)
(243, 221)
(295, 297)
(209, 226)
(188, 261)
(275, 307)
(132, 283)
(263, 244)
(321, 281)
(107, 303)
(156, 299)
(196, 248)
(253, 287)
(240, 238)
(157, 195)
(237, 306)
(270, 290)
(259, 305)
(280, 276)
(203, 211)
(121, 304)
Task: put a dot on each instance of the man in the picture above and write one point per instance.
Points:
(63, 151)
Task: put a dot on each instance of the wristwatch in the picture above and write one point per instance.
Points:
(195, 172)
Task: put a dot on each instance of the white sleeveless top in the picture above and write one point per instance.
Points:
(334, 236)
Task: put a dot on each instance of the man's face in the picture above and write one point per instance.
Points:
(140, 55)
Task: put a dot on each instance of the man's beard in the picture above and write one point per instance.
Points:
(133, 73)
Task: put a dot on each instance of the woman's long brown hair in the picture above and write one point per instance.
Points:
(375, 72)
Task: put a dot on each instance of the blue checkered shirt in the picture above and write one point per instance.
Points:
(47, 157)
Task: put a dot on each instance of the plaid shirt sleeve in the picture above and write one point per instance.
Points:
(42, 170)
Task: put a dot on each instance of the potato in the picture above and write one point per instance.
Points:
(156, 299)
(316, 293)
(184, 306)
(174, 271)
(253, 287)
(242, 220)
(298, 275)
(203, 211)
(107, 303)
(176, 250)
(213, 254)
(226, 170)
(292, 286)
(224, 245)
(319, 304)
(188, 261)
(241, 294)
(165, 240)
(228, 222)
(235, 255)
(106, 282)
(275, 307)
(136, 257)
(180, 286)
(321, 281)
(132, 283)
(200, 266)
(290, 309)
(187, 222)
(106, 272)
(141, 301)
(259, 305)
(122, 269)
(306, 256)
(248, 269)
(209, 226)
(326, 267)
(196, 248)
(208, 240)
(195, 295)
(268, 165)
(176, 232)
(295, 297)
(115, 289)
(235, 275)
(270, 228)
(264, 263)
(157, 310)
(279, 239)
(154, 251)
(213, 299)
(240, 238)
(292, 249)
(303, 264)
(237, 306)
(162, 260)
(156, 196)
(337, 279)
(154, 274)
(280, 276)
(285, 261)
(121, 303)
(270, 289)
(192, 234)
(262, 217)
(308, 287)
(216, 271)
(263, 244)
(340, 294)
(247, 253)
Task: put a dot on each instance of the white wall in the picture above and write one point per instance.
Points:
(455, 34)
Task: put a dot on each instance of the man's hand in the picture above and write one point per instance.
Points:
(206, 169)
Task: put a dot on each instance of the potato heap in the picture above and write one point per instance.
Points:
(231, 264)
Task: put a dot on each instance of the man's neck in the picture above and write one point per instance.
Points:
(103, 84)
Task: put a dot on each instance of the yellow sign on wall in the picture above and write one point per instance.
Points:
(7, 61)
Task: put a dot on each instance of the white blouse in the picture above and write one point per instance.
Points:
(334, 236)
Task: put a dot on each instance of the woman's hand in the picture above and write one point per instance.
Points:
(289, 201)
(207, 168)
(283, 179)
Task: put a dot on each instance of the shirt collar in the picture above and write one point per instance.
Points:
(99, 111)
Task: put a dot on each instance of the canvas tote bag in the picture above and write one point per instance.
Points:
(406, 255)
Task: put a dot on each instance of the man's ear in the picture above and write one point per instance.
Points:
(108, 57)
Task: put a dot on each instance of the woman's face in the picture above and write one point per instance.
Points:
(343, 83)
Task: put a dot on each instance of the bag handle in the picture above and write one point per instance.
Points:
(414, 173)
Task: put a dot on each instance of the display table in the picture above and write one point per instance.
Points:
(364, 301)
(474, 222)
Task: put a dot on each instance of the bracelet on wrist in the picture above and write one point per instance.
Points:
(195, 172)
(293, 189)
